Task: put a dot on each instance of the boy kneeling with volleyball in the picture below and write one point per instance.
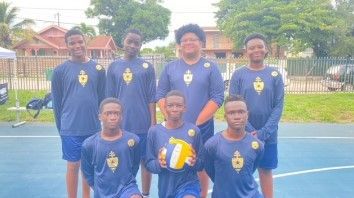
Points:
(174, 150)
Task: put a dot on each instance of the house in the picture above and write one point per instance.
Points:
(50, 42)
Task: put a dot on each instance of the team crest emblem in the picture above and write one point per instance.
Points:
(258, 85)
(83, 78)
(131, 142)
(207, 64)
(274, 73)
(145, 65)
(237, 161)
(112, 161)
(255, 145)
(127, 75)
(188, 77)
(99, 67)
(191, 132)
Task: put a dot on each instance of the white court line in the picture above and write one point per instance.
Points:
(304, 172)
(51, 136)
(29, 136)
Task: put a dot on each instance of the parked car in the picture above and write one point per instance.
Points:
(227, 75)
(339, 77)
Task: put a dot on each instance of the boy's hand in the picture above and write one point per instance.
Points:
(162, 157)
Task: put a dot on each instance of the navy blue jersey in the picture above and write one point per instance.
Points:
(264, 94)
(169, 181)
(110, 166)
(134, 84)
(78, 89)
(199, 83)
(231, 164)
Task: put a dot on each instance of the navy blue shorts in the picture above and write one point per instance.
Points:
(71, 147)
(270, 157)
(192, 188)
(142, 144)
(207, 130)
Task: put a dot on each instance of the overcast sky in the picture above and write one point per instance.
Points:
(71, 12)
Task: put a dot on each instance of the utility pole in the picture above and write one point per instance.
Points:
(58, 17)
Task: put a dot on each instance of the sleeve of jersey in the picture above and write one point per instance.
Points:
(209, 158)
(136, 157)
(216, 88)
(151, 86)
(163, 86)
(101, 85)
(234, 90)
(57, 93)
(260, 153)
(110, 82)
(152, 163)
(199, 165)
(86, 164)
(271, 125)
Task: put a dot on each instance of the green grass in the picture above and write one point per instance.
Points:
(326, 108)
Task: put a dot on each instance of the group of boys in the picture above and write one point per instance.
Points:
(107, 120)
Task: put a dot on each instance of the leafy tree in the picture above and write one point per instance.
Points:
(11, 32)
(295, 24)
(116, 16)
(88, 31)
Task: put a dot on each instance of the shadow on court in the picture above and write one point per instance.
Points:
(315, 160)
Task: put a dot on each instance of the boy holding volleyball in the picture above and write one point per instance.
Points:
(174, 150)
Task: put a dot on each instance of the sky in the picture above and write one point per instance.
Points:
(71, 13)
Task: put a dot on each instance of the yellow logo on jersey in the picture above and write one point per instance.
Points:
(99, 67)
(83, 78)
(207, 64)
(188, 77)
(145, 65)
(274, 73)
(131, 142)
(127, 76)
(191, 132)
(237, 161)
(258, 85)
(255, 145)
(112, 161)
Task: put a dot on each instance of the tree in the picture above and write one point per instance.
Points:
(295, 24)
(88, 31)
(116, 16)
(11, 32)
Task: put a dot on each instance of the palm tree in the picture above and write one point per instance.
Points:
(87, 30)
(10, 31)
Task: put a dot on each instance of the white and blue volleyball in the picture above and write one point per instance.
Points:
(177, 154)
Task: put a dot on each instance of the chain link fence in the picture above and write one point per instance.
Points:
(300, 75)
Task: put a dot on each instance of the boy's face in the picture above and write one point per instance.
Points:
(111, 116)
(236, 114)
(131, 45)
(175, 107)
(76, 46)
(256, 50)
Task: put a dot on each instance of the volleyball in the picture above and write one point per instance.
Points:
(177, 154)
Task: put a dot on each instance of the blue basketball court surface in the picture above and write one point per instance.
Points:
(315, 160)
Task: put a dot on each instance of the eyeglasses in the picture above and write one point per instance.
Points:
(191, 40)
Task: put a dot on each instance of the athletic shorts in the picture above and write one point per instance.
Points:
(130, 190)
(207, 130)
(142, 145)
(191, 188)
(71, 147)
(270, 157)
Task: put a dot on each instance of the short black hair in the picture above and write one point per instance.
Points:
(133, 31)
(73, 31)
(234, 98)
(176, 93)
(190, 28)
(110, 100)
(255, 36)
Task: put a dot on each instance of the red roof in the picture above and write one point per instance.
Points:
(101, 42)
